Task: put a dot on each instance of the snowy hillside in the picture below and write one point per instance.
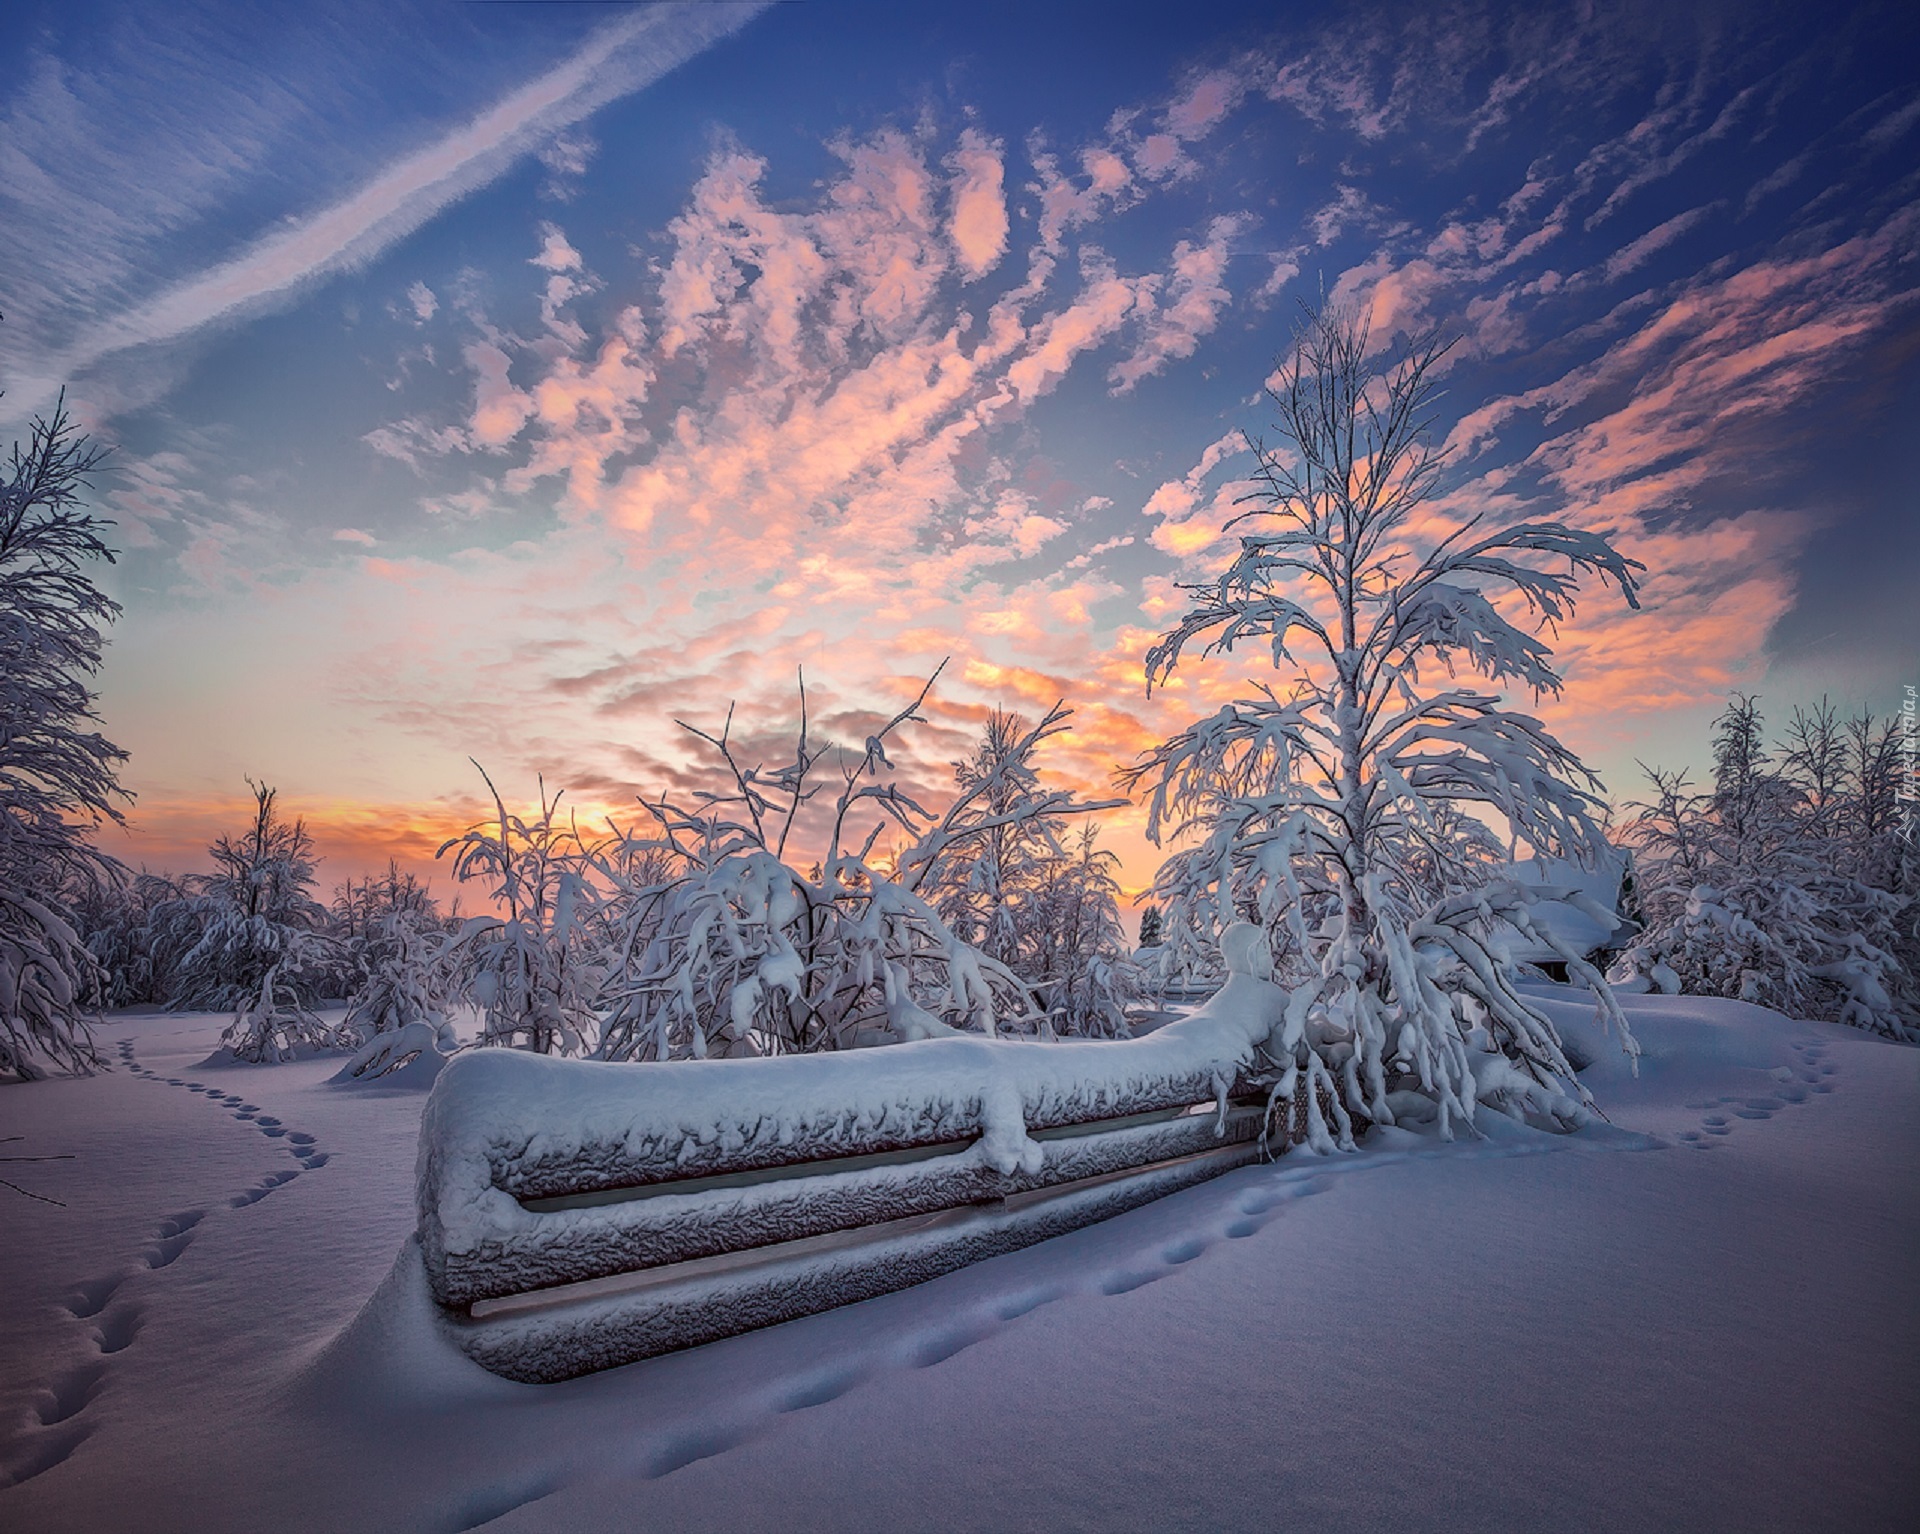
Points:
(1698, 1316)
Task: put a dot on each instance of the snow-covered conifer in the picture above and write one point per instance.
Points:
(1317, 806)
(57, 774)
(1150, 927)
(1763, 889)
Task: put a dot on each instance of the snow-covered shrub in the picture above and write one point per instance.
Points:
(1762, 889)
(408, 1056)
(118, 919)
(982, 884)
(1002, 878)
(394, 944)
(57, 774)
(1325, 809)
(261, 948)
(734, 949)
(535, 969)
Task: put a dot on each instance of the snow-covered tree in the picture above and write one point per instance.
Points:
(744, 944)
(979, 883)
(1073, 949)
(1763, 889)
(57, 773)
(1000, 874)
(1326, 806)
(261, 949)
(1150, 927)
(393, 942)
(123, 924)
(535, 968)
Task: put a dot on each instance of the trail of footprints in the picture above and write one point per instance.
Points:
(113, 1325)
(1252, 1211)
(302, 1147)
(1813, 1073)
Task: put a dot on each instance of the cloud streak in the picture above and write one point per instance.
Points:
(622, 57)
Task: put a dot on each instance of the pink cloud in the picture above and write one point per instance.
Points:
(499, 408)
(1105, 303)
(1196, 293)
(556, 255)
(1206, 102)
(979, 220)
(1190, 522)
(1636, 253)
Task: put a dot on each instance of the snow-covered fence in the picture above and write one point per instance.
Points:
(575, 1215)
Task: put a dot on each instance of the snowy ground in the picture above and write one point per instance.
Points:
(1703, 1317)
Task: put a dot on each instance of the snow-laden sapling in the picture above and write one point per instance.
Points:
(1074, 951)
(57, 774)
(998, 871)
(535, 969)
(261, 944)
(1340, 807)
(747, 947)
(983, 885)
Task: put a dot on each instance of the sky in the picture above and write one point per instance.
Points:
(501, 383)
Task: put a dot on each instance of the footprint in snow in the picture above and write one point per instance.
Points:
(303, 1147)
(53, 1447)
(1791, 1087)
(175, 1236)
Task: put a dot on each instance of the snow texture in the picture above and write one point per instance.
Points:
(503, 1127)
(1698, 1318)
(1586, 928)
(577, 1335)
(411, 1055)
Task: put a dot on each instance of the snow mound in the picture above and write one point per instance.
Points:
(409, 1057)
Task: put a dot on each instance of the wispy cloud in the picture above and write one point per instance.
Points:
(621, 57)
(1637, 253)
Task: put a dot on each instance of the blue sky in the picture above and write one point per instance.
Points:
(505, 380)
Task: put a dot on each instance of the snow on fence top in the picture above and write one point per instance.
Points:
(536, 1172)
